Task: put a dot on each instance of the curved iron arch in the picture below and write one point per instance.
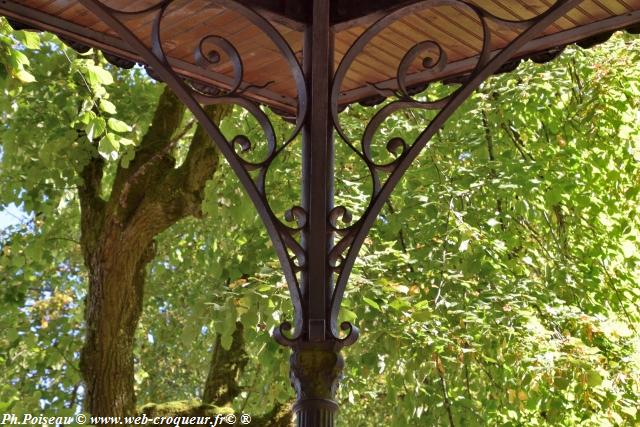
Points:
(316, 364)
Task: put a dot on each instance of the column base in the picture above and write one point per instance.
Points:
(315, 374)
(315, 413)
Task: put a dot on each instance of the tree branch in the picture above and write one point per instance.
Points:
(157, 157)
(401, 237)
(166, 121)
(201, 162)
(221, 386)
(92, 207)
(514, 136)
(175, 193)
(443, 387)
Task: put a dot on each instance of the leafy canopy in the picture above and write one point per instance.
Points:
(499, 286)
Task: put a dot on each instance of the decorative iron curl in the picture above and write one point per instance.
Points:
(283, 236)
(300, 216)
(342, 255)
(336, 257)
(339, 213)
(280, 335)
(204, 59)
(353, 333)
(241, 143)
(336, 342)
(428, 63)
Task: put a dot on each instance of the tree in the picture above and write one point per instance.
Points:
(500, 285)
(128, 192)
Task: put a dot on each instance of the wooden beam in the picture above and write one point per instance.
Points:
(290, 13)
(344, 13)
(351, 13)
(114, 45)
(117, 47)
(535, 46)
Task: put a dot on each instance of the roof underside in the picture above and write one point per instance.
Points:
(267, 77)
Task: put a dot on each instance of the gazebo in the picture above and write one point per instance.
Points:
(307, 61)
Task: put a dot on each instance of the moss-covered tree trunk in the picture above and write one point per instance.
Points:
(113, 307)
(118, 242)
(221, 386)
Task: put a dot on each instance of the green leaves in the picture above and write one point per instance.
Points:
(95, 128)
(228, 325)
(99, 128)
(13, 62)
(107, 106)
(97, 76)
(109, 146)
(629, 249)
(594, 379)
(24, 76)
(492, 222)
(118, 125)
(507, 286)
(29, 39)
(371, 303)
(515, 258)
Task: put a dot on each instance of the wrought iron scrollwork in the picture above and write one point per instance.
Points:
(433, 58)
(349, 235)
(210, 51)
(318, 340)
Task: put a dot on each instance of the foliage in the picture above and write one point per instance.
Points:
(509, 254)
(499, 287)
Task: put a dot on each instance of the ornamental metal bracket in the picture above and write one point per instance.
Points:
(317, 254)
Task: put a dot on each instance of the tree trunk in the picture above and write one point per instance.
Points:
(113, 308)
(118, 242)
(221, 386)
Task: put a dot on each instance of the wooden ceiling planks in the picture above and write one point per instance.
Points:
(456, 28)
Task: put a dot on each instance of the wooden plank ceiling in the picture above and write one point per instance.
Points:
(266, 73)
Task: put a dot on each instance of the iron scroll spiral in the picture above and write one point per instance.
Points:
(350, 238)
(290, 252)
